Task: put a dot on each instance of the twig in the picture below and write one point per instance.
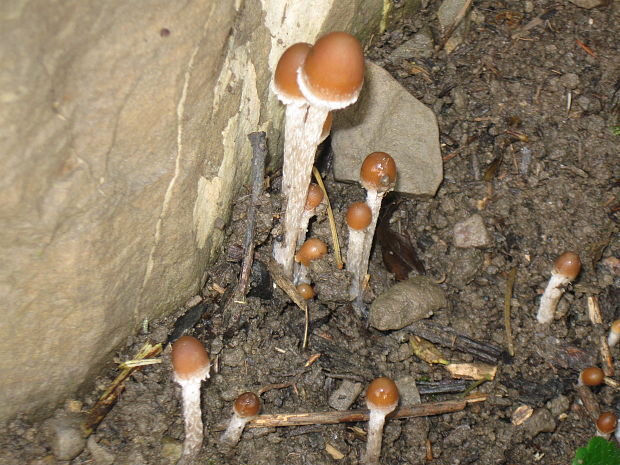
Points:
(348, 416)
(457, 20)
(510, 282)
(287, 286)
(259, 153)
(332, 221)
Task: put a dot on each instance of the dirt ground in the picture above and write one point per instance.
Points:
(526, 133)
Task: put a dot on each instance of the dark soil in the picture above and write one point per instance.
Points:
(543, 174)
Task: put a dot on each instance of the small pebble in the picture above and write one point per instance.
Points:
(343, 397)
(471, 233)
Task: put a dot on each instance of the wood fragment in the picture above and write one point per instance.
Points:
(589, 402)
(510, 282)
(481, 371)
(521, 414)
(259, 154)
(425, 350)
(333, 416)
(330, 216)
(450, 386)
(594, 310)
(608, 361)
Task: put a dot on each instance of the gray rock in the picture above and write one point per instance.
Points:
(65, 435)
(387, 118)
(541, 421)
(570, 81)
(465, 264)
(588, 4)
(419, 46)
(408, 390)
(406, 302)
(233, 357)
(471, 232)
(344, 396)
(447, 14)
(100, 454)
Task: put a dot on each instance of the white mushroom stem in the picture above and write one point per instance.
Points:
(299, 171)
(234, 430)
(376, 421)
(193, 419)
(551, 296)
(613, 339)
(355, 260)
(295, 115)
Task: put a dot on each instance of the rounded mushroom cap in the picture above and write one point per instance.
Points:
(359, 215)
(333, 72)
(189, 358)
(568, 264)
(311, 250)
(592, 376)
(378, 172)
(305, 291)
(607, 422)
(247, 405)
(285, 76)
(314, 197)
(382, 393)
(615, 327)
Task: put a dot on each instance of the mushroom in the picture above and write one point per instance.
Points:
(614, 334)
(245, 408)
(591, 376)
(381, 399)
(312, 249)
(358, 219)
(305, 291)
(377, 176)
(313, 200)
(606, 424)
(565, 270)
(191, 366)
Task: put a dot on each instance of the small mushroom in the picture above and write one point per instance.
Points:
(305, 290)
(191, 366)
(606, 424)
(358, 219)
(565, 270)
(245, 408)
(381, 399)
(614, 334)
(312, 249)
(591, 376)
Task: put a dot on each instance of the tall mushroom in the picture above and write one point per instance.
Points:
(191, 366)
(381, 399)
(565, 270)
(330, 78)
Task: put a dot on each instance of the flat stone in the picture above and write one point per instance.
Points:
(541, 421)
(343, 397)
(408, 390)
(471, 232)
(387, 118)
(406, 302)
(65, 436)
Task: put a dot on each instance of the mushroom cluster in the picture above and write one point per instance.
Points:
(311, 81)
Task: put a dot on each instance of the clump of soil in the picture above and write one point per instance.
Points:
(527, 142)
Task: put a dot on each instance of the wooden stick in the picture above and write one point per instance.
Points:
(259, 153)
(333, 417)
(332, 221)
(510, 282)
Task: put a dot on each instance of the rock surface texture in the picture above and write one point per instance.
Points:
(124, 139)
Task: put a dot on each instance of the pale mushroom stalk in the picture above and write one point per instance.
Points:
(245, 408)
(358, 219)
(313, 200)
(565, 270)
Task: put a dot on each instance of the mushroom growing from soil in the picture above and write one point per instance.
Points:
(614, 334)
(329, 76)
(191, 366)
(565, 270)
(312, 249)
(313, 200)
(377, 176)
(305, 291)
(245, 408)
(381, 399)
(591, 376)
(606, 424)
(359, 217)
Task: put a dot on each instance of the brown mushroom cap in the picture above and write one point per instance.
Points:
(333, 71)
(189, 357)
(285, 76)
(247, 405)
(311, 250)
(382, 393)
(607, 422)
(568, 264)
(305, 291)
(314, 197)
(592, 376)
(359, 215)
(378, 171)
(615, 327)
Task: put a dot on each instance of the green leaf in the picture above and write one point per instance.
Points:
(598, 452)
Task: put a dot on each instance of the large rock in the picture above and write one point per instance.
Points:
(123, 135)
(387, 118)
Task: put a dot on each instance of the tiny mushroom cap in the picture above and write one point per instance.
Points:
(568, 265)
(615, 327)
(359, 215)
(378, 172)
(305, 291)
(614, 334)
(285, 76)
(333, 71)
(247, 405)
(189, 358)
(592, 376)
(607, 422)
(311, 250)
(382, 393)
(314, 197)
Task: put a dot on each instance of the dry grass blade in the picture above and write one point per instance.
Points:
(332, 221)
(510, 282)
